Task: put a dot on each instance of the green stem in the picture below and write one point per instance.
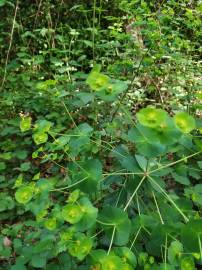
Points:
(136, 236)
(112, 240)
(169, 198)
(135, 191)
(157, 207)
(105, 223)
(175, 162)
(94, 12)
(70, 186)
(200, 246)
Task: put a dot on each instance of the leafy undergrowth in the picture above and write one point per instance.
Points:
(92, 198)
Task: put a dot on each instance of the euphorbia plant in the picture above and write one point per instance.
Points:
(103, 219)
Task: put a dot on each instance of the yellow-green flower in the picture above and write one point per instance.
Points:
(72, 213)
(81, 247)
(24, 194)
(184, 122)
(112, 262)
(97, 81)
(50, 224)
(151, 117)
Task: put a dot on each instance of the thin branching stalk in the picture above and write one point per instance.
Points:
(10, 43)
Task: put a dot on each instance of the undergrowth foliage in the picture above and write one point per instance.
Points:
(101, 146)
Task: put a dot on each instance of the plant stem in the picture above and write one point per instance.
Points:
(158, 210)
(70, 186)
(169, 198)
(10, 44)
(112, 240)
(135, 238)
(175, 162)
(94, 12)
(135, 191)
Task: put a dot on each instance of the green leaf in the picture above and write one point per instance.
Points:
(25, 123)
(39, 260)
(73, 197)
(118, 218)
(24, 194)
(24, 167)
(2, 3)
(190, 235)
(2, 166)
(89, 216)
(184, 122)
(92, 171)
(181, 179)
(110, 91)
(18, 266)
(96, 257)
(42, 126)
(147, 141)
(45, 185)
(142, 161)
(126, 160)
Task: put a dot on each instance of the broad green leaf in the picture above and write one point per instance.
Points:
(112, 90)
(127, 161)
(157, 238)
(39, 260)
(42, 126)
(96, 257)
(24, 167)
(142, 162)
(190, 235)
(181, 179)
(45, 185)
(89, 216)
(92, 171)
(116, 217)
(73, 197)
(18, 266)
(147, 141)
